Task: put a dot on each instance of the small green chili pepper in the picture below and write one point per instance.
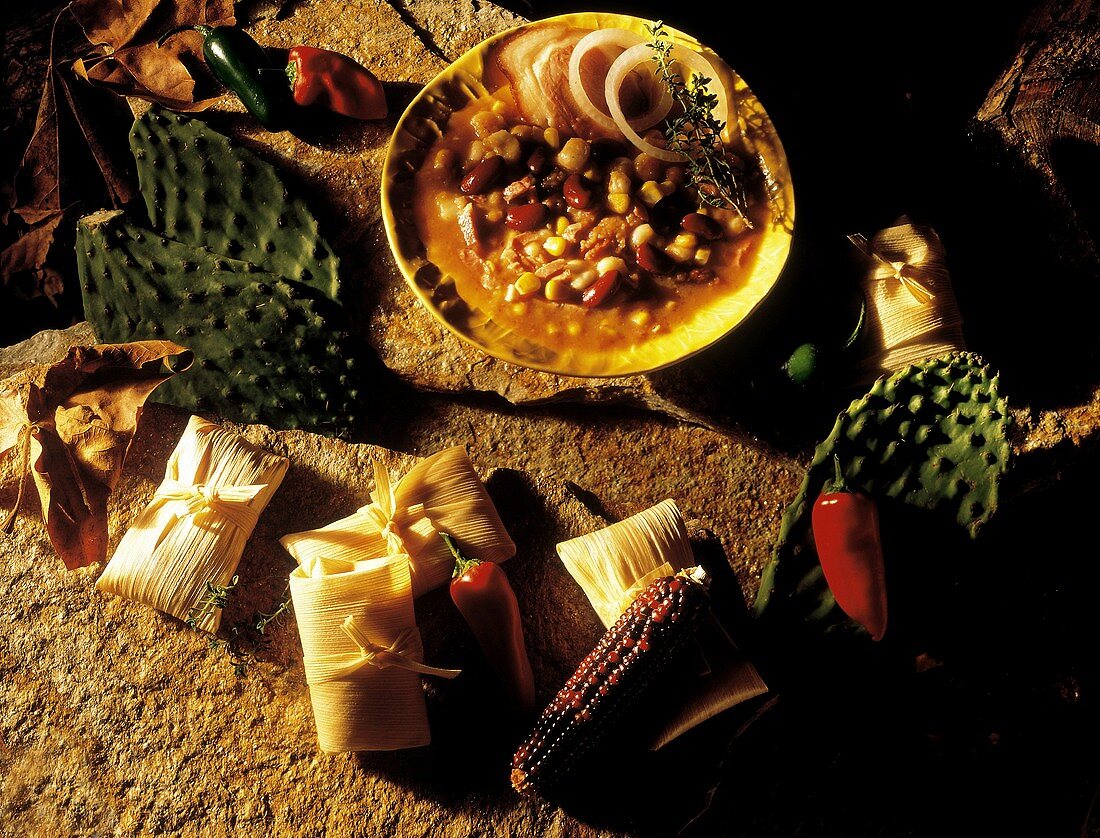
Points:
(242, 65)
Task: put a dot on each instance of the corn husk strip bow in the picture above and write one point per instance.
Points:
(913, 318)
(362, 653)
(441, 493)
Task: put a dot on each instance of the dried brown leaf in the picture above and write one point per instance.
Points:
(37, 183)
(29, 253)
(82, 419)
(98, 116)
(126, 58)
(112, 22)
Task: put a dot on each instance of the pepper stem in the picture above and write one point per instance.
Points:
(840, 483)
(462, 563)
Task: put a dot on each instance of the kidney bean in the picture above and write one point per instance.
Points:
(577, 191)
(601, 290)
(701, 225)
(651, 259)
(526, 217)
(483, 175)
(537, 161)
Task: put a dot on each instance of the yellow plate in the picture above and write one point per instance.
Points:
(425, 119)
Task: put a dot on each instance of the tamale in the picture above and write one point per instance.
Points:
(193, 531)
(440, 494)
(362, 651)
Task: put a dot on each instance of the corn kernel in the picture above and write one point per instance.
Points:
(647, 167)
(573, 328)
(552, 329)
(641, 234)
(552, 137)
(494, 216)
(533, 249)
(476, 152)
(519, 309)
(680, 254)
(610, 263)
(736, 226)
(561, 223)
(574, 155)
(624, 165)
(686, 240)
(527, 284)
(618, 181)
(485, 123)
(555, 245)
(557, 291)
(640, 318)
(511, 294)
(702, 255)
(444, 160)
(505, 144)
(498, 106)
(651, 192)
(581, 280)
(619, 203)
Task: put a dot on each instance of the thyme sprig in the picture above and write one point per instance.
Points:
(696, 133)
(215, 596)
(243, 639)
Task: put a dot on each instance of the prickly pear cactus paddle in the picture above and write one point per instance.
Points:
(933, 435)
(202, 189)
(267, 349)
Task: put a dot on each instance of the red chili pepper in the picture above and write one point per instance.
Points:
(849, 547)
(335, 81)
(487, 602)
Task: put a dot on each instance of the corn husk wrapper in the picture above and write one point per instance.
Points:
(195, 528)
(441, 493)
(362, 652)
(912, 313)
(615, 564)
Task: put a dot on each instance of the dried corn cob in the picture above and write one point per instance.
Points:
(657, 625)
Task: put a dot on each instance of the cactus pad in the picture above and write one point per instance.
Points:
(201, 189)
(267, 349)
(933, 435)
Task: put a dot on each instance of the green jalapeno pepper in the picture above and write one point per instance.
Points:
(242, 65)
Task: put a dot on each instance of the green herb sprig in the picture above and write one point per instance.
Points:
(694, 132)
(215, 596)
(243, 639)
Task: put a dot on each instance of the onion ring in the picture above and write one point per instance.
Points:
(626, 62)
(624, 39)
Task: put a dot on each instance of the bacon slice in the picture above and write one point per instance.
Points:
(535, 60)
